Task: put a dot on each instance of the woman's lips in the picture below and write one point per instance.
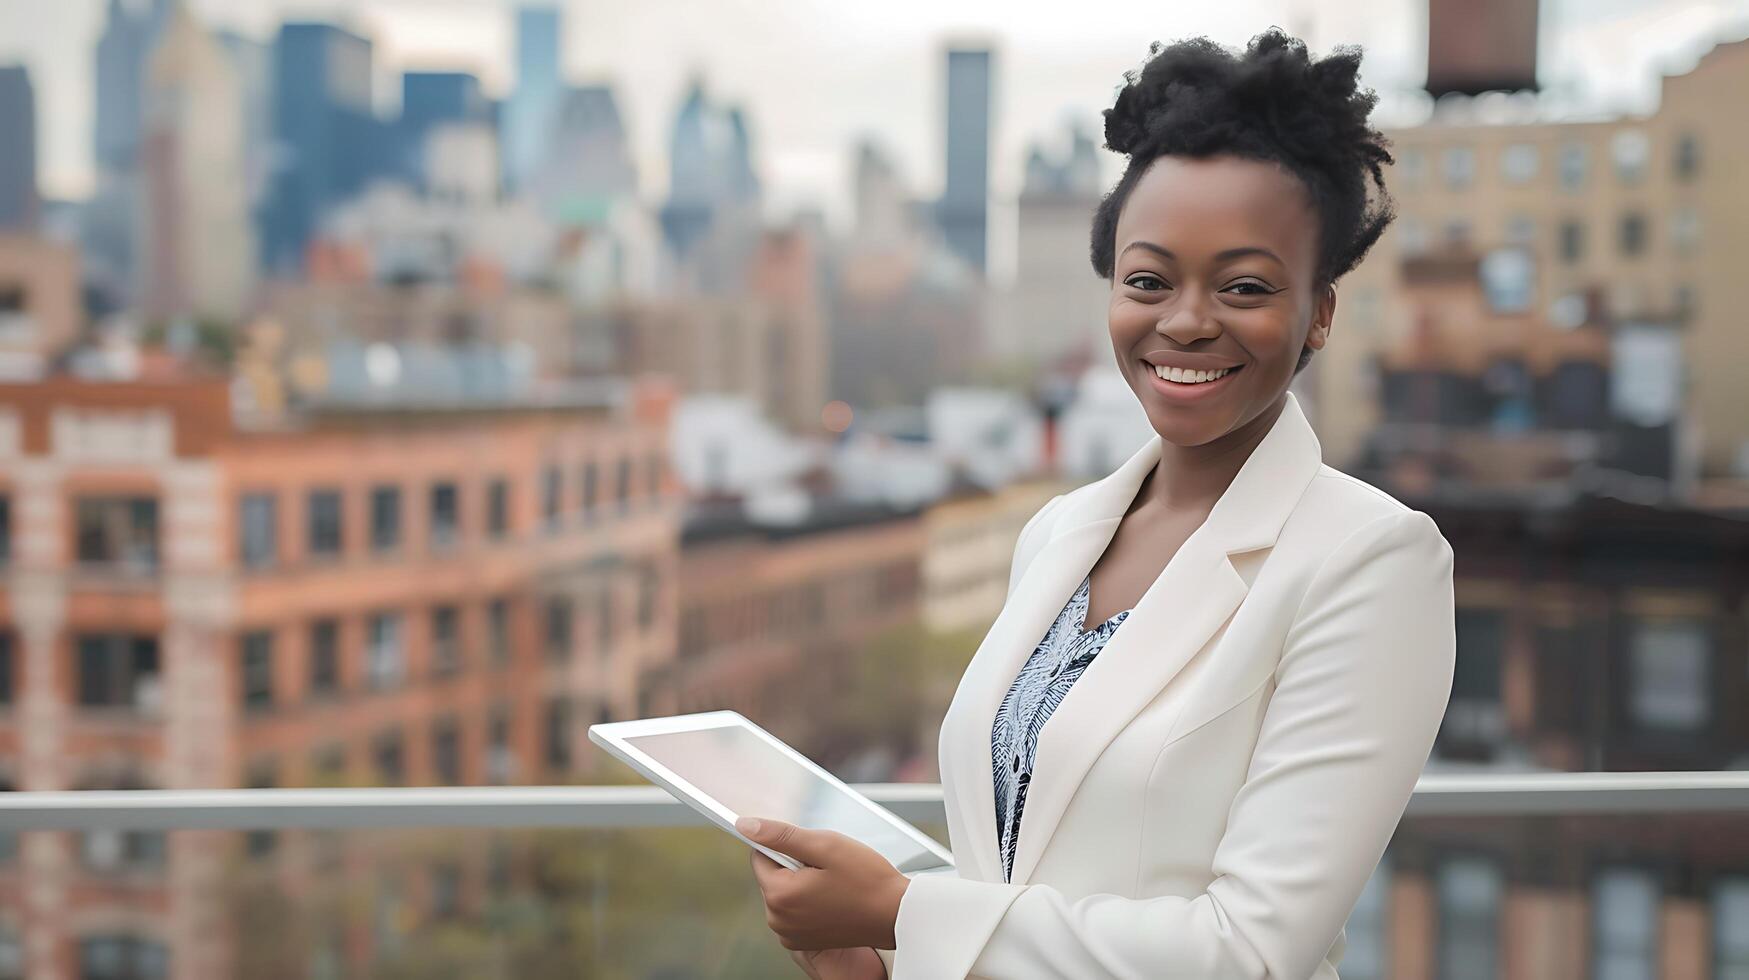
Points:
(1182, 392)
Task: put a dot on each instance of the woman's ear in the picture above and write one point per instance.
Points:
(1322, 316)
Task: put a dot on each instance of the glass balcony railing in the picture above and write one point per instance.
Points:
(1581, 875)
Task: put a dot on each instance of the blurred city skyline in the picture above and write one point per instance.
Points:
(815, 78)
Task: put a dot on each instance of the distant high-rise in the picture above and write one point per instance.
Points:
(129, 35)
(964, 207)
(588, 166)
(198, 255)
(535, 102)
(434, 98)
(18, 191)
(109, 233)
(1058, 303)
(329, 140)
(882, 204)
(710, 160)
(253, 63)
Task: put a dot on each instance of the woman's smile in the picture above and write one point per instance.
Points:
(1182, 385)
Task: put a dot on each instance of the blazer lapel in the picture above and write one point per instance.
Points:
(1194, 595)
(1083, 530)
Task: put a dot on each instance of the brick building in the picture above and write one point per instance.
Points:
(399, 594)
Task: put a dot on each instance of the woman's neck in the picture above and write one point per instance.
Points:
(1192, 478)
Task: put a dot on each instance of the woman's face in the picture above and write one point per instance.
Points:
(1215, 270)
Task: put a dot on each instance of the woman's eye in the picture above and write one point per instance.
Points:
(1145, 281)
(1249, 288)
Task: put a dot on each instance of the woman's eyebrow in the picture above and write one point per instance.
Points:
(1222, 256)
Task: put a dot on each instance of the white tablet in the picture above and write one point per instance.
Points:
(726, 767)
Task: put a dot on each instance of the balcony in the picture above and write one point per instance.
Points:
(1490, 875)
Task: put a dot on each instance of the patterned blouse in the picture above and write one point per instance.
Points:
(1059, 659)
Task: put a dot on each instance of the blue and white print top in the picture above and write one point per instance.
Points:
(1055, 664)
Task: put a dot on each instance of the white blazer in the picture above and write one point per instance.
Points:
(1213, 793)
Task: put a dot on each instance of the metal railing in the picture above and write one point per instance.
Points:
(1469, 795)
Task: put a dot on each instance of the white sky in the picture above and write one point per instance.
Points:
(815, 74)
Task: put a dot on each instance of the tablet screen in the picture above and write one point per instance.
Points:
(753, 778)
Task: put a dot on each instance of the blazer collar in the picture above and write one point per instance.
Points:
(1184, 607)
(1253, 508)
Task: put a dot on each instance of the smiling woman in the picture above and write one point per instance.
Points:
(1201, 784)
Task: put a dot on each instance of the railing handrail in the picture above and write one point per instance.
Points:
(606, 807)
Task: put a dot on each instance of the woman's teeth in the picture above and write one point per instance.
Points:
(1184, 377)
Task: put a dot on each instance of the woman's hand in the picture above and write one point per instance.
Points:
(847, 896)
(859, 963)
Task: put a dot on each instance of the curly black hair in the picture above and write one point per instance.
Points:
(1273, 102)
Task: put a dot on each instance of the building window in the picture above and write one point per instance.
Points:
(1633, 233)
(1572, 241)
(328, 766)
(1457, 232)
(1474, 722)
(118, 531)
(122, 850)
(1412, 235)
(262, 774)
(121, 957)
(1684, 230)
(389, 756)
(653, 473)
(558, 734)
(604, 621)
(118, 671)
(1687, 157)
(1412, 165)
(559, 627)
(590, 489)
(445, 515)
(324, 658)
(385, 518)
(1521, 230)
(498, 509)
(1573, 164)
(6, 668)
(5, 529)
(446, 640)
(446, 752)
(500, 757)
(1624, 925)
(622, 483)
(1731, 928)
(260, 530)
(649, 586)
(1460, 167)
(1630, 151)
(1671, 675)
(498, 630)
(1519, 162)
(1368, 929)
(1468, 891)
(385, 660)
(323, 517)
(256, 670)
(552, 483)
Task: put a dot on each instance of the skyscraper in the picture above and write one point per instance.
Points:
(129, 35)
(710, 161)
(199, 252)
(964, 206)
(330, 141)
(109, 227)
(588, 165)
(430, 99)
(253, 62)
(535, 102)
(18, 193)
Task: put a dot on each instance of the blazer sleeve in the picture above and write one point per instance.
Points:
(1025, 547)
(1363, 681)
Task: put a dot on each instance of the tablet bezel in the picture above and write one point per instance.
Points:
(613, 736)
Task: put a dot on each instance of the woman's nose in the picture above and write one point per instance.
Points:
(1189, 319)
